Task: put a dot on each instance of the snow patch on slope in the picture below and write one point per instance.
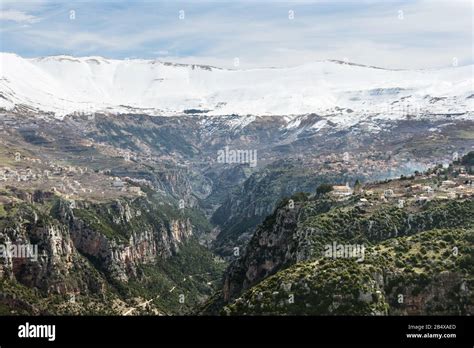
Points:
(63, 85)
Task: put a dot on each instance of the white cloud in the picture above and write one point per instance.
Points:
(88, 41)
(17, 16)
(431, 33)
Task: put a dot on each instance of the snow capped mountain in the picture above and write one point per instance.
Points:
(64, 84)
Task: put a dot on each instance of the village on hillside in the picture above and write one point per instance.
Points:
(455, 181)
(65, 180)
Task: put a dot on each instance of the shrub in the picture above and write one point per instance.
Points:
(324, 188)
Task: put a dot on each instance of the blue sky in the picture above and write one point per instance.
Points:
(395, 34)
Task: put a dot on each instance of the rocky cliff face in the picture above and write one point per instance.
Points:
(276, 244)
(53, 264)
(124, 235)
(298, 234)
(73, 235)
(269, 249)
(248, 206)
(391, 280)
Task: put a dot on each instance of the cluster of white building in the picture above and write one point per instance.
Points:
(460, 187)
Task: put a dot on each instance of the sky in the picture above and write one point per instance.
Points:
(245, 33)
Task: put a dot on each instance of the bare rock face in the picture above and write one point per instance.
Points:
(49, 259)
(296, 236)
(269, 250)
(447, 292)
(66, 240)
(126, 244)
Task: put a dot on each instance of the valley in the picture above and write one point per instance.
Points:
(134, 214)
(154, 188)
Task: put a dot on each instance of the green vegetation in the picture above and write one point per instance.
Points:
(193, 272)
(354, 225)
(468, 159)
(108, 286)
(333, 287)
(260, 194)
(413, 266)
(323, 189)
(418, 258)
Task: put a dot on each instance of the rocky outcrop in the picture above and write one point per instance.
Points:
(127, 235)
(116, 237)
(391, 280)
(258, 197)
(290, 236)
(269, 249)
(45, 256)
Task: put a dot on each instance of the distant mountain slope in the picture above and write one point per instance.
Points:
(405, 276)
(121, 257)
(63, 84)
(399, 229)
